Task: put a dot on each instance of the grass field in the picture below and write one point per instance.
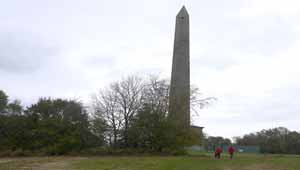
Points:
(195, 162)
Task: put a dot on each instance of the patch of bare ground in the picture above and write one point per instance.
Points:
(38, 163)
(63, 163)
(254, 167)
(4, 160)
(260, 167)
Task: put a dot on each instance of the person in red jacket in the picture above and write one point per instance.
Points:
(218, 152)
(231, 151)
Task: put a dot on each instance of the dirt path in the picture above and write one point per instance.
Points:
(260, 167)
(253, 167)
(61, 165)
(4, 160)
(57, 164)
(39, 163)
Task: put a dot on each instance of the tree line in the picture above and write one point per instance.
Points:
(128, 114)
(278, 140)
(50, 126)
(210, 143)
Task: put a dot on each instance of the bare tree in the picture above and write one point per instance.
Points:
(128, 95)
(105, 107)
(156, 94)
(118, 104)
(197, 101)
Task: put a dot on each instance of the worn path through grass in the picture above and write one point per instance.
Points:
(38, 163)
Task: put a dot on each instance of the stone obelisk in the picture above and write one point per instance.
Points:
(179, 97)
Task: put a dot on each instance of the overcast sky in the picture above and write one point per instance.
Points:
(243, 52)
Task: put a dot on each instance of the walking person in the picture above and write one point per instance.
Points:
(218, 152)
(231, 151)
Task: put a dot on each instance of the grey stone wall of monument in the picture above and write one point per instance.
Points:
(179, 99)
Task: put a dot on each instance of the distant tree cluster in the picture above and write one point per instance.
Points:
(128, 114)
(212, 142)
(51, 126)
(277, 140)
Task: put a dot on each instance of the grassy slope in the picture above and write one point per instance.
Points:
(241, 162)
(202, 162)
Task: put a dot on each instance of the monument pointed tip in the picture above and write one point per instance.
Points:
(183, 11)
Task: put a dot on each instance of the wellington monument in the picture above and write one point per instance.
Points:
(179, 97)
